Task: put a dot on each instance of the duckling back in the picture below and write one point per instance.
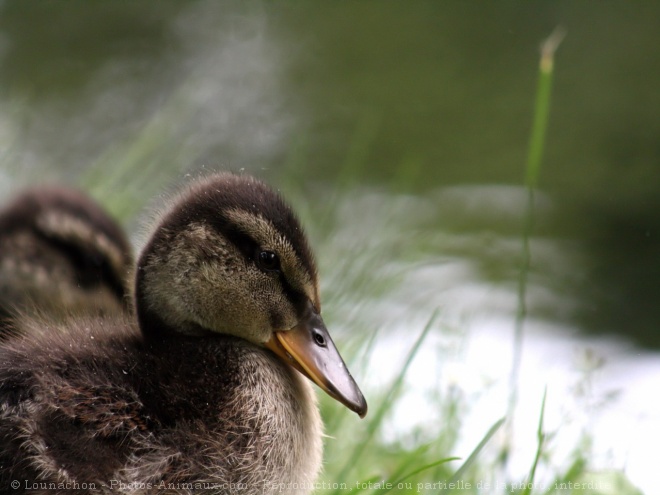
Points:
(60, 254)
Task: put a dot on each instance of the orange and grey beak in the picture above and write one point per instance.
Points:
(309, 348)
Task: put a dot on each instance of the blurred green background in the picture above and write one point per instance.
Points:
(399, 130)
(405, 97)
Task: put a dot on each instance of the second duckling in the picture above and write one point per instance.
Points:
(61, 254)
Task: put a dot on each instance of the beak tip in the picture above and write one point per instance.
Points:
(360, 407)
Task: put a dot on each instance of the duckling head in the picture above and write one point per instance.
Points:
(230, 257)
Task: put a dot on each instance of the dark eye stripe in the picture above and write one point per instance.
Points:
(249, 248)
(243, 242)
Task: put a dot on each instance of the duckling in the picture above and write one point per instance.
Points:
(60, 253)
(206, 389)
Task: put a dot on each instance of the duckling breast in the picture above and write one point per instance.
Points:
(285, 409)
(256, 418)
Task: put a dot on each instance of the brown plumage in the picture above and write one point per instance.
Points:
(61, 254)
(200, 394)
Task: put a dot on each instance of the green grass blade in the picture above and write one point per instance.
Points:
(540, 435)
(387, 402)
(574, 472)
(417, 471)
(410, 459)
(533, 169)
(364, 484)
(475, 453)
(542, 106)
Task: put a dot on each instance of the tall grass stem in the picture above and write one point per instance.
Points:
(533, 169)
(540, 435)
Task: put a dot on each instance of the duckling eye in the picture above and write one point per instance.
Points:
(318, 338)
(268, 261)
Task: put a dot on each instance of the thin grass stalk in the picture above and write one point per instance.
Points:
(386, 403)
(473, 456)
(540, 435)
(409, 459)
(364, 484)
(396, 483)
(533, 169)
(574, 472)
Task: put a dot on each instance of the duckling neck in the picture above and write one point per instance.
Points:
(154, 328)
